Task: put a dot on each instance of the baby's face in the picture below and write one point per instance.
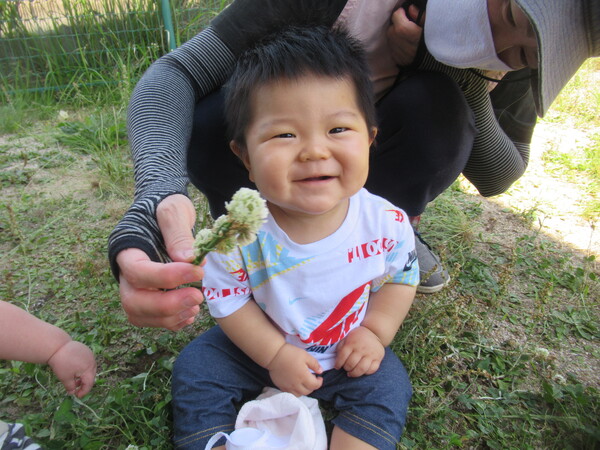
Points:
(514, 36)
(307, 145)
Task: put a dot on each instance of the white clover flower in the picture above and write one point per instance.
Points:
(246, 213)
(222, 226)
(559, 379)
(541, 353)
(203, 237)
(247, 209)
(203, 242)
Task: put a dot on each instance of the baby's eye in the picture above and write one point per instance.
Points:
(284, 135)
(338, 130)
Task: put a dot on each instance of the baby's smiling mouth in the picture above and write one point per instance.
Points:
(319, 178)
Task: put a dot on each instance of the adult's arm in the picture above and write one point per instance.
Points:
(162, 105)
(160, 118)
(514, 106)
(159, 125)
(496, 161)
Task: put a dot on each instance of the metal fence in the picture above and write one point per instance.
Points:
(52, 45)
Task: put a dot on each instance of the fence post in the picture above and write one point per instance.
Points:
(168, 23)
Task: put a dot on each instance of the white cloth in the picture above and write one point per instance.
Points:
(458, 34)
(277, 420)
(317, 293)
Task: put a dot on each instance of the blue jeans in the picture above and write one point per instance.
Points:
(212, 378)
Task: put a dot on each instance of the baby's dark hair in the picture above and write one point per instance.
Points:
(291, 54)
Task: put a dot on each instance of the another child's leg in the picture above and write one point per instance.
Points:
(211, 376)
(371, 409)
(340, 440)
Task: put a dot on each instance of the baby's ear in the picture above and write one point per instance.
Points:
(372, 134)
(242, 153)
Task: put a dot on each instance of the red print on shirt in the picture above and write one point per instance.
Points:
(333, 329)
(372, 248)
(242, 275)
(399, 216)
(214, 294)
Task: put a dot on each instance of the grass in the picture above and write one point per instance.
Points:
(584, 163)
(579, 104)
(486, 355)
(72, 50)
(502, 358)
(67, 49)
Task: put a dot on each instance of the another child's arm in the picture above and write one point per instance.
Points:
(289, 366)
(24, 337)
(362, 350)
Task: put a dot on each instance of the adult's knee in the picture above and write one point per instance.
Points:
(433, 97)
(212, 166)
(430, 113)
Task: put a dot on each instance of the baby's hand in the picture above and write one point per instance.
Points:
(75, 366)
(359, 353)
(290, 371)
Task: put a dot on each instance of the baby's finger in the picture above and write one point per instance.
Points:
(342, 355)
(70, 384)
(314, 365)
(312, 384)
(352, 361)
(373, 368)
(87, 381)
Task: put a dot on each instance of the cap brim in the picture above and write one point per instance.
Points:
(562, 46)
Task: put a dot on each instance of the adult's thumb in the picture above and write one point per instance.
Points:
(180, 245)
(176, 216)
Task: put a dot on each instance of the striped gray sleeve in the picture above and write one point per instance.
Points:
(159, 124)
(495, 162)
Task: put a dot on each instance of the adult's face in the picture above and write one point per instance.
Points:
(514, 37)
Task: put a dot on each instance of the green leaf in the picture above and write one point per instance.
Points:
(63, 414)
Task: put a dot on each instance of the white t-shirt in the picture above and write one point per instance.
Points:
(317, 293)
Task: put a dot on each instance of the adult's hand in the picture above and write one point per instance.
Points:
(147, 288)
(404, 35)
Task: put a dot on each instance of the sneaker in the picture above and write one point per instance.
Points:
(433, 275)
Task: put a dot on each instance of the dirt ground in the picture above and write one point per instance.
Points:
(555, 201)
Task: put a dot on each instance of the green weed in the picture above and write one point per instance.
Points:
(103, 137)
(579, 101)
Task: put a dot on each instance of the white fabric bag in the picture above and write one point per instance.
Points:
(277, 420)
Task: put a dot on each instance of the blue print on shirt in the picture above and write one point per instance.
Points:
(266, 259)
